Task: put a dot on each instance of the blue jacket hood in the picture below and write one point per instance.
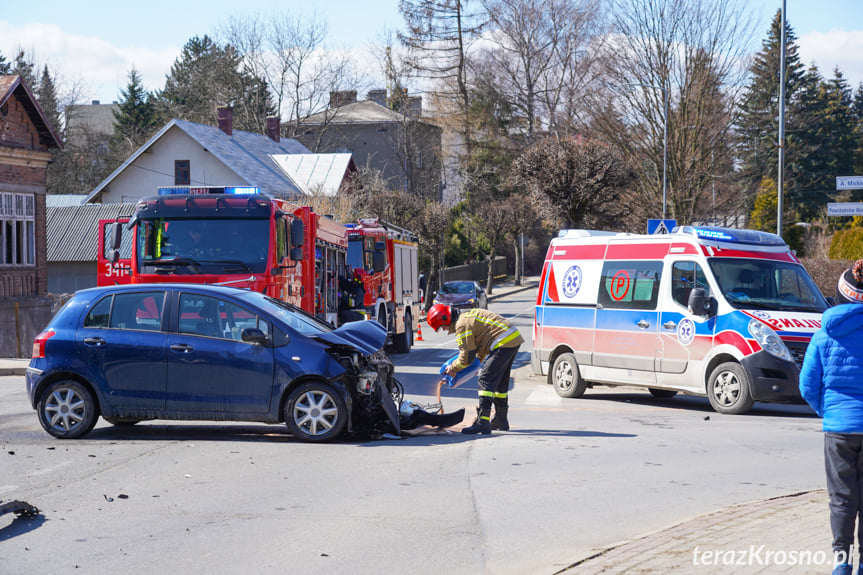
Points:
(841, 320)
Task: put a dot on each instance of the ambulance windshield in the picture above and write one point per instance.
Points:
(767, 284)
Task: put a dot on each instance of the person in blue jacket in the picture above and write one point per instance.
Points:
(831, 382)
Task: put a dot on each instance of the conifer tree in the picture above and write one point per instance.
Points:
(758, 125)
(136, 119)
(46, 93)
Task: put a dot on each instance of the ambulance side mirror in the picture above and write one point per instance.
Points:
(699, 303)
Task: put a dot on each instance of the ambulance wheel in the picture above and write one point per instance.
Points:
(565, 377)
(661, 393)
(728, 389)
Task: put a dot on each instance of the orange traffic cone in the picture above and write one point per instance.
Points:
(420, 331)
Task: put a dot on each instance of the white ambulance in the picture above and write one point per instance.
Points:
(720, 312)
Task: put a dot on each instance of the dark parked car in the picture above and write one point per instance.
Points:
(176, 351)
(462, 294)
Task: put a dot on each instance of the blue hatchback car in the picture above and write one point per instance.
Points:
(199, 352)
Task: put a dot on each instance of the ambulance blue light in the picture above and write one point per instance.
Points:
(732, 235)
(242, 190)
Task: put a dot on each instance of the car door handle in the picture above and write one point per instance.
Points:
(643, 324)
(669, 325)
(95, 341)
(182, 347)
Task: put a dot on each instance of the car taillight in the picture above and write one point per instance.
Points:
(39, 343)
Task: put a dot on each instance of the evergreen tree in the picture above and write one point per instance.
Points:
(24, 68)
(136, 119)
(5, 66)
(857, 110)
(46, 94)
(758, 125)
(206, 77)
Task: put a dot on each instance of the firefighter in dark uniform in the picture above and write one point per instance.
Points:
(486, 335)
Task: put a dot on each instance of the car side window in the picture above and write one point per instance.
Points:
(630, 284)
(141, 310)
(214, 317)
(99, 313)
(684, 277)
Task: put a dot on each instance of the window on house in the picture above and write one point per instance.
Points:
(17, 229)
(182, 176)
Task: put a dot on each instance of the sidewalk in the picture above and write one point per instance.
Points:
(789, 534)
(14, 366)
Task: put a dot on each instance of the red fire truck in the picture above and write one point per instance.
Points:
(384, 257)
(229, 236)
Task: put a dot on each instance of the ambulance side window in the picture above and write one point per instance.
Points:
(630, 285)
(684, 277)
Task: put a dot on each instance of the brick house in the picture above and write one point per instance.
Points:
(26, 141)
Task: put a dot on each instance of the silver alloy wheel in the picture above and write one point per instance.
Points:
(563, 376)
(64, 409)
(316, 412)
(726, 388)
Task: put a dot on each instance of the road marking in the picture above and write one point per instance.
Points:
(545, 397)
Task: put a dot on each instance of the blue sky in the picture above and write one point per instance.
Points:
(94, 43)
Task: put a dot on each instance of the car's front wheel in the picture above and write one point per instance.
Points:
(315, 412)
(67, 409)
(728, 389)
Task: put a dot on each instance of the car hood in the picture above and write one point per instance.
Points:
(367, 337)
(451, 298)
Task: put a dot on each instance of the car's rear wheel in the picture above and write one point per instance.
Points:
(728, 389)
(565, 377)
(315, 412)
(67, 409)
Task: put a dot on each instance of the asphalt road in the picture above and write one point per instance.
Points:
(572, 477)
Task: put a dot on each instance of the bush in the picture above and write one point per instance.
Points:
(847, 244)
(826, 272)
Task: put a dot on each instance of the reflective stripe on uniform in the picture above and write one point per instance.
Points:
(504, 338)
(483, 393)
(500, 395)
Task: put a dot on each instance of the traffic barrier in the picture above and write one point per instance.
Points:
(420, 331)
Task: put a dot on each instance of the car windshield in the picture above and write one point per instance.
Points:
(767, 284)
(290, 315)
(457, 288)
(197, 246)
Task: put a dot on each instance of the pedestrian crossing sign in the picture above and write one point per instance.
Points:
(660, 226)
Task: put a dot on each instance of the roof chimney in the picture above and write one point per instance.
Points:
(415, 107)
(226, 120)
(273, 127)
(342, 98)
(378, 96)
(95, 102)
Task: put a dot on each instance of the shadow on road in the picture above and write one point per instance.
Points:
(20, 526)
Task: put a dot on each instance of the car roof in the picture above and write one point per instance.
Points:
(207, 288)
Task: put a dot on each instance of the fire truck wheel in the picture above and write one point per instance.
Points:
(315, 412)
(402, 341)
(661, 393)
(67, 409)
(565, 377)
(728, 389)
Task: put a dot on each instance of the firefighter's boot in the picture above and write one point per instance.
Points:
(480, 426)
(499, 422)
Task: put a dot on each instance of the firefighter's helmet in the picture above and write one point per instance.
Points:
(438, 316)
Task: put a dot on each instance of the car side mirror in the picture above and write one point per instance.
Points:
(379, 262)
(699, 303)
(253, 335)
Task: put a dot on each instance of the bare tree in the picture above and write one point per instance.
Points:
(439, 35)
(535, 53)
(688, 54)
(577, 182)
(291, 52)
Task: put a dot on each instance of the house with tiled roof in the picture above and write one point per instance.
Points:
(27, 139)
(188, 154)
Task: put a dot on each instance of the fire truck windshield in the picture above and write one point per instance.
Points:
(198, 246)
